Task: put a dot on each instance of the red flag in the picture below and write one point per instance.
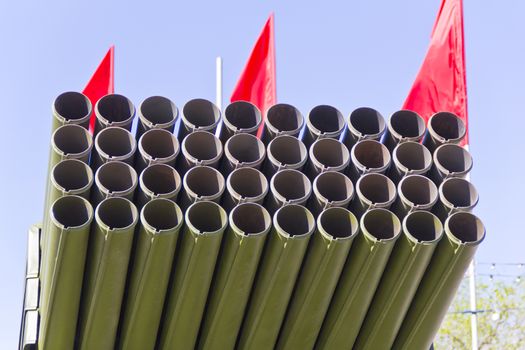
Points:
(101, 83)
(257, 81)
(441, 82)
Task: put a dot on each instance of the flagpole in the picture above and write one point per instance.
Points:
(218, 81)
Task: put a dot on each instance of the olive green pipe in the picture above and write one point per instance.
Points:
(443, 127)
(114, 179)
(409, 158)
(199, 148)
(330, 189)
(234, 276)
(158, 181)
(244, 185)
(156, 112)
(113, 110)
(323, 121)
(414, 192)
(455, 195)
(373, 191)
(367, 259)
(322, 266)
(156, 146)
(191, 278)
(288, 187)
(150, 271)
(113, 144)
(109, 250)
(241, 151)
(326, 155)
(284, 152)
(422, 232)
(450, 160)
(240, 117)
(281, 119)
(368, 156)
(199, 115)
(68, 236)
(404, 126)
(201, 183)
(364, 123)
(71, 108)
(293, 225)
(463, 234)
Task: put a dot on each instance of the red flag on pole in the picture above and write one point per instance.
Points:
(257, 81)
(101, 83)
(441, 82)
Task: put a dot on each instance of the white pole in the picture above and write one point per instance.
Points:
(218, 80)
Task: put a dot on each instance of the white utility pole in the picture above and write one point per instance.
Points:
(218, 81)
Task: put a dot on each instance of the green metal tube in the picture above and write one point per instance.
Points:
(414, 192)
(152, 259)
(463, 234)
(156, 146)
(113, 110)
(158, 181)
(199, 115)
(233, 279)
(114, 179)
(201, 183)
(199, 148)
(113, 144)
(68, 233)
(367, 259)
(71, 108)
(156, 112)
(105, 275)
(372, 191)
(280, 264)
(322, 266)
(191, 278)
(443, 127)
(281, 119)
(405, 269)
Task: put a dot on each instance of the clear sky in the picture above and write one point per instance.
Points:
(348, 54)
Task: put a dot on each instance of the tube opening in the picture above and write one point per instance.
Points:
(72, 106)
(338, 222)
(117, 213)
(162, 214)
(284, 117)
(453, 158)
(413, 156)
(206, 216)
(201, 113)
(158, 110)
(326, 119)
(407, 123)
(250, 218)
(367, 121)
(248, 182)
(159, 143)
(116, 177)
(376, 188)
(466, 227)
(245, 148)
(160, 179)
(115, 142)
(115, 108)
(330, 153)
(460, 193)
(204, 181)
(418, 190)
(381, 224)
(423, 226)
(447, 125)
(295, 220)
(334, 186)
(72, 175)
(371, 154)
(242, 115)
(71, 211)
(202, 145)
(72, 139)
(291, 184)
(287, 150)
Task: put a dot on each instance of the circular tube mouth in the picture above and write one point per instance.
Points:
(412, 157)
(72, 176)
(158, 112)
(457, 193)
(116, 178)
(418, 191)
(114, 109)
(250, 219)
(422, 227)
(287, 150)
(206, 217)
(446, 127)
(376, 189)
(72, 107)
(465, 228)
(294, 221)
(204, 182)
(451, 159)
(116, 213)
(160, 215)
(329, 153)
(338, 223)
(200, 114)
(247, 183)
(72, 140)
(284, 118)
(406, 125)
(71, 212)
(158, 145)
(202, 146)
(242, 116)
(115, 143)
(160, 179)
(380, 224)
(325, 120)
(244, 149)
(370, 156)
(366, 123)
(333, 187)
(290, 185)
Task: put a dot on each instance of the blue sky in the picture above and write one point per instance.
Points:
(348, 54)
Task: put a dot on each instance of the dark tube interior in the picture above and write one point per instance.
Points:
(202, 145)
(330, 152)
(377, 188)
(158, 110)
(454, 158)
(407, 123)
(115, 108)
(72, 174)
(459, 192)
(367, 121)
(159, 143)
(338, 222)
(413, 155)
(117, 212)
(115, 142)
(284, 117)
(251, 218)
(334, 186)
(423, 226)
(201, 113)
(418, 189)
(160, 179)
(291, 184)
(248, 182)
(71, 211)
(447, 125)
(204, 181)
(242, 115)
(326, 119)
(371, 154)
(295, 220)
(206, 216)
(72, 139)
(162, 214)
(466, 227)
(287, 150)
(116, 176)
(72, 106)
(381, 223)
(245, 148)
